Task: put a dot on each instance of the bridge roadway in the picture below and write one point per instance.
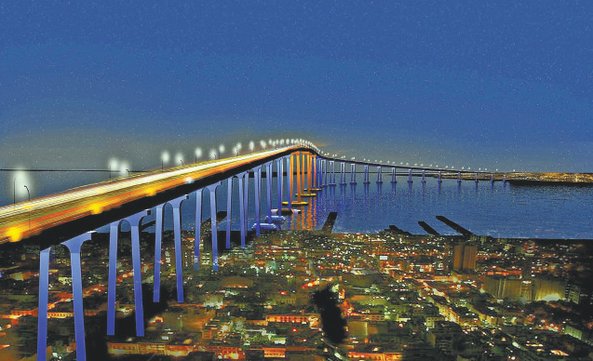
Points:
(52, 219)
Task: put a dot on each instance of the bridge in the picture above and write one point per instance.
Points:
(70, 217)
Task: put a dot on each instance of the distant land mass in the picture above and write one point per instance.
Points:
(529, 178)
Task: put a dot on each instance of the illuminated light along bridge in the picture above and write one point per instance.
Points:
(69, 218)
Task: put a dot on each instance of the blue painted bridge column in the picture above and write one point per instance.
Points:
(176, 204)
(318, 172)
(229, 207)
(74, 245)
(198, 229)
(289, 175)
(323, 182)
(269, 189)
(42, 304)
(112, 277)
(280, 179)
(158, 240)
(246, 195)
(240, 177)
(321, 173)
(134, 222)
(246, 199)
(257, 173)
(213, 224)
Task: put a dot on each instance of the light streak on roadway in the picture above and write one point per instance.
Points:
(26, 219)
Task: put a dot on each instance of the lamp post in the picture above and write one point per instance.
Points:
(29, 193)
(165, 156)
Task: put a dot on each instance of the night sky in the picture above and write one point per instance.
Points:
(458, 83)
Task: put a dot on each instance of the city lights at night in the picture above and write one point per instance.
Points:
(385, 181)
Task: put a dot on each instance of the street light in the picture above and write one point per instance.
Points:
(165, 157)
(198, 153)
(123, 168)
(20, 177)
(28, 192)
(113, 165)
(179, 158)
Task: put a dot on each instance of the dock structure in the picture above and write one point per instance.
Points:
(428, 229)
(328, 226)
(458, 228)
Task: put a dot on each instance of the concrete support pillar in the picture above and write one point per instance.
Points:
(269, 190)
(298, 176)
(491, 178)
(476, 176)
(241, 177)
(229, 213)
(280, 179)
(379, 174)
(352, 173)
(319, 173)
(214, 224)
(42, 304)
(246, 189)
(176, 204)
(410, 176)
(309, 173)
(304, 171)
(158, 240)
(74, 245)
(257, 173)
(327, 180)
(323, 175)
(134, 222)
(314, 164)
(290, 181)
(198, 228)
(393, 175)
(459, 177)
(366, 174)
(440, 177)
(423, 176)
(342, 173)
(112, 277)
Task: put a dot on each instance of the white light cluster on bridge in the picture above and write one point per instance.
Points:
(121, 166)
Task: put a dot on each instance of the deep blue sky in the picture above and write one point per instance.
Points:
(506, 85)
